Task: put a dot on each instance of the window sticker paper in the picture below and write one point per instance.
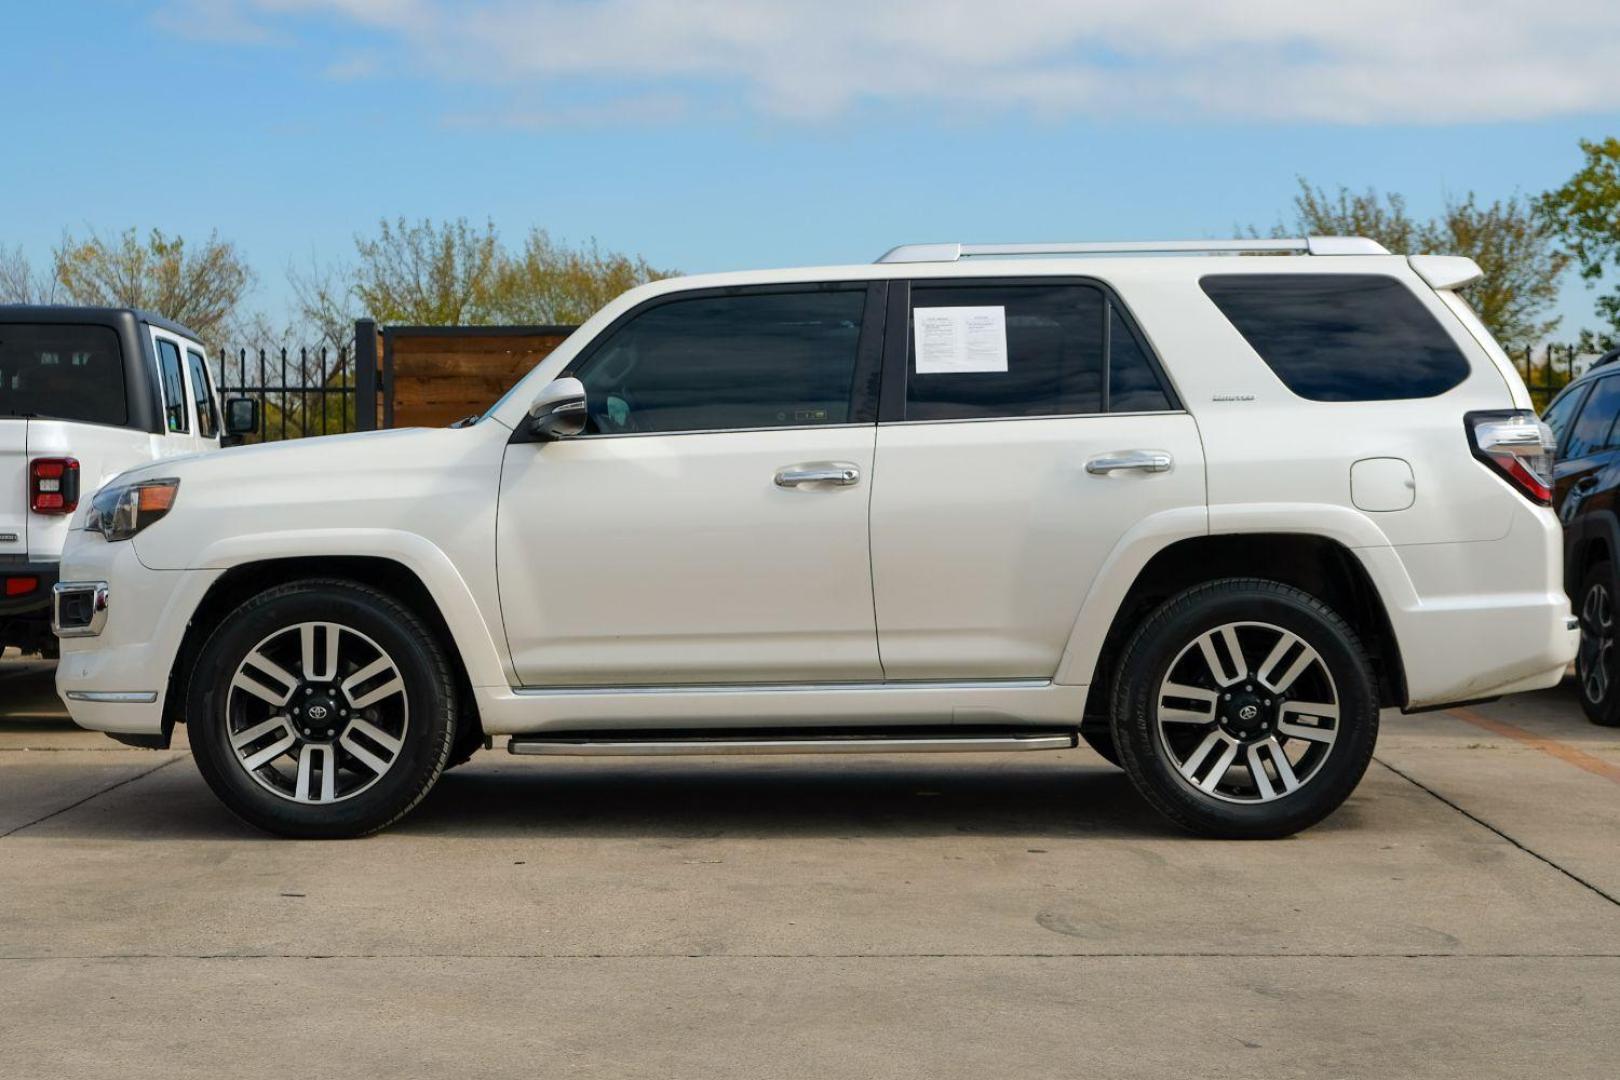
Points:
(960, 340)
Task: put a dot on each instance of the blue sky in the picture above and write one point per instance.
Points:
(722, 134)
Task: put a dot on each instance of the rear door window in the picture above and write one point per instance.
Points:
(1341, 337)
(1594, 431)
(992, 350)
(1133, 384)
(62, 373)
(202, 393)
(174, 386)
(988, 351)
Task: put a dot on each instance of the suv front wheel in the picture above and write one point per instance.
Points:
(322, 709)
(1245, 709)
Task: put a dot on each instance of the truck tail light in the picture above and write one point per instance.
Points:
(1516, 446)
(53, 485)
(20, 586)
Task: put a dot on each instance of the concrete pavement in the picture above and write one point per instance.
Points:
(1019, 915)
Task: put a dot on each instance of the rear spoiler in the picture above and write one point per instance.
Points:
(1444, 272)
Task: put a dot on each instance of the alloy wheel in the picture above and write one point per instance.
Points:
(1595, 661)
(1247, 712)
(317, 713)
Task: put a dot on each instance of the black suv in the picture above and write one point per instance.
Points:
(1586, 495)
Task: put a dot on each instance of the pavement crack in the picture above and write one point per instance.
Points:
(93, 795)
(1482, 823)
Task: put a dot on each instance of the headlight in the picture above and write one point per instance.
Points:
(118, 513)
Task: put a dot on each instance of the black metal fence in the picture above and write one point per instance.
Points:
(1544, 377)
(301, 392)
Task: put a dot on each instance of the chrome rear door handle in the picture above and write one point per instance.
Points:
(836, 473)
(1143, 460)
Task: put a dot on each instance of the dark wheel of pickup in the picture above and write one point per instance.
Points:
(1245, 709)
(322, 709)
(1595, 674)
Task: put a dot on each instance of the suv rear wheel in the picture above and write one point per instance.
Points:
(1245, 709)
(323, 708)
(1595, 662)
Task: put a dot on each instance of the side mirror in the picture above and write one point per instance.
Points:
(559, 411)
(241, 417)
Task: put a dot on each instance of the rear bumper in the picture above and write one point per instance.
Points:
(36, 603)
(1478, 620)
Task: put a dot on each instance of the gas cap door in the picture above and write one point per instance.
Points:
(1382, 484)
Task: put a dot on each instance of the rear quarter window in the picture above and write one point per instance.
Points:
(62, 373)
(1341, 337)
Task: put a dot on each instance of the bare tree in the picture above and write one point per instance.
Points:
(324, 301)
(201, 287)
(19, 284)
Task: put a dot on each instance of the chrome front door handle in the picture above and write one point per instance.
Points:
(1119, 461)
(835, 473)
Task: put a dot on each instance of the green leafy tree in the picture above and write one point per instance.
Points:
(548, 282)
(452, 273)
(1585, 214)
(1507, 238)
(200, 285)
(428, 274)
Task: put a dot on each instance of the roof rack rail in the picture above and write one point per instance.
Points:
(1313, 245)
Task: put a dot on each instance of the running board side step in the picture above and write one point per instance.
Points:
(606, 746)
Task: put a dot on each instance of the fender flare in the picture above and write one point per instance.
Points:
(1125, 563)
(472, 630)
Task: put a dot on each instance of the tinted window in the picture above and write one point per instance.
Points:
(1133, 386)
(202, 395)
(174, 386)
(1053, 349)
(752, 361)
(62, 372)
(1341, 337)
(1562, 411)
(1594, 430)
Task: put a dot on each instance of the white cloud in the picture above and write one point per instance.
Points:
(1350, 61)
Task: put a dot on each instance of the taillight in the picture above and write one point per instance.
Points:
(1516, 446)
(53, 485)
(20, 586)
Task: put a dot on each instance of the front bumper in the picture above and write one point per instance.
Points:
(114, 674)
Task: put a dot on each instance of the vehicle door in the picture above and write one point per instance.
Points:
(1026, 427)
(204, 399)
(1585, 473)
(180, 429)
(710, 525)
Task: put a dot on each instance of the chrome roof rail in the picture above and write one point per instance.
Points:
(1314, 245)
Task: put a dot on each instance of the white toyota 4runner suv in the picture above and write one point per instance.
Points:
(1208, 512)
(85, 393)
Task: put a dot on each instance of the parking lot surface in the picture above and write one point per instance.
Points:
(966, 916)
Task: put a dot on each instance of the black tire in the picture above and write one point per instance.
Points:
(1239, 806)
(1101, 740)
(1597, 683)
(425, 706)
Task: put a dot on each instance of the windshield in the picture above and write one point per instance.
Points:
(62, 373)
